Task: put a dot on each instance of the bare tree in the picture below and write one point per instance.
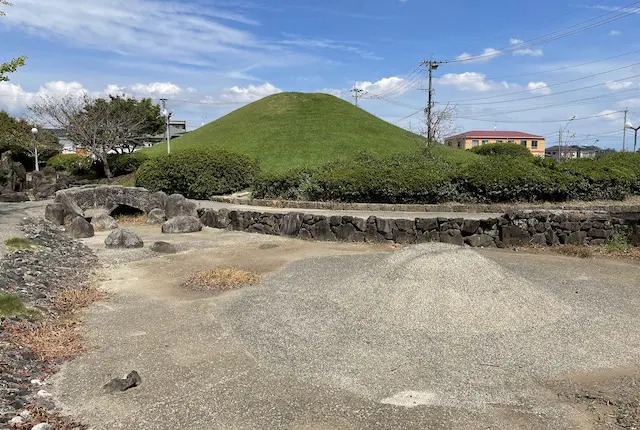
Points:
(97, 125)
(443, 124)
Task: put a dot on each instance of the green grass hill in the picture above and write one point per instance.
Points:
(294, 130)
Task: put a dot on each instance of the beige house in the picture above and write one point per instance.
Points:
(471, 139)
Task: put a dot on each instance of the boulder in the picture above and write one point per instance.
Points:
(577, 238)
(470, 226)
(291, 224)
(480, 241)
(156, 216)
(177, 205)
(452, 237)
(164, 248)
(123, 384)
(349, 233)
(44, 191)
(513, 235)
(426, 224)
(14, 197)
(157, 200)
(123, 238)
(54, 212)
(182, 224)
(69, 206)
(322, 231)
(635, 235)
(80, 228)
(103, 222)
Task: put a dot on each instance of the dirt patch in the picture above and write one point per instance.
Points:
(609, 399)
(584, 251)
(220, 279)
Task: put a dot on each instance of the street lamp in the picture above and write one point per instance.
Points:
(34, 132)
(167, 119)
(635, 129)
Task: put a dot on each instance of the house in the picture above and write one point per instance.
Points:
(567, 152)
(176, 128)
(68, 147)
(471, 139)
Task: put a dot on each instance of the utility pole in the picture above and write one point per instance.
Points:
(356, 93)
(624, 130)
(431, 66)
(167, 121)
(559, 143)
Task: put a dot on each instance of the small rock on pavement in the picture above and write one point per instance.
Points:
(123, 384)
(80, 228)
(182, 224)
(16, 420)
(164, 248)
(103, 222)
(123, 238)
(156, 216)
(42, 426)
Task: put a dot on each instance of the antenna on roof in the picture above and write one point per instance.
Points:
(495, 126)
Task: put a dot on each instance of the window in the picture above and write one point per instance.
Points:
(523, 143)
(499, 141)
(511, 141)
(534, 144)
(474, 143)
(459, 144)
(485, 142)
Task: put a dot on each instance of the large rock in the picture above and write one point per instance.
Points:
(54, 212)
(182, 224)
(512, 235)
(178, 205)
(70, 208)
(480, 241)
(157, 200)
(349, 233)
(163, 248)
(452, 237)
(103, 222)
(291, 224)
(470, 227)
(80, 228)
(123, 238)
(322, 231)
(14, 197)
(577, 238)
(156, 216)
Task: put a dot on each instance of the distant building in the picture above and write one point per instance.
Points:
(567, 152)
(471, 139)
(176, 128)
(68, 147)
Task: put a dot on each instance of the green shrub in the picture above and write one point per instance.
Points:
(287, 186)
(197, 173)
(71, 163)
(124, 164)
(505, 149)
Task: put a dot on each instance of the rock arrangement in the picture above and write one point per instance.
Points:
(35, 275)
(123, 238)
(538, 227)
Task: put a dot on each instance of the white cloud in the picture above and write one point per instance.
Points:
(15, 100)
(332, 44)
(614, 86)
(487, 55)
(524, 50)
(332, 91)
(615, 33)
(384, 85)
(539, 88)
(250, 93)
(156, 89)
(469, 81)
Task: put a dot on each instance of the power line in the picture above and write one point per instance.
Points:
(540, 122)
(547, 86)
(627, 11)
(549, 95)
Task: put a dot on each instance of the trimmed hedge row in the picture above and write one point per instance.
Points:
(71, 163)
(489, 179)
(197, 173)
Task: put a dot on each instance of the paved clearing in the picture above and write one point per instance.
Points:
(12, 214)
(353, 336)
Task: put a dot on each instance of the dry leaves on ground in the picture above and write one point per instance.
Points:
(71, 299)
(52, 340)
(220, 279)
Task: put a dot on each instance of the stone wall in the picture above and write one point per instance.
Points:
(515, 228)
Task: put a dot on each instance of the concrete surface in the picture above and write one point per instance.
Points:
(349, 336)
(12, 214)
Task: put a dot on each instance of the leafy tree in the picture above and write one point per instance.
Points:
(101, 126)
(10, 66)
(15, 136)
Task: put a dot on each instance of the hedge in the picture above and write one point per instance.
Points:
(124, 164)
(427, 179)
(506, 149)
(71, 163)
(197, 173)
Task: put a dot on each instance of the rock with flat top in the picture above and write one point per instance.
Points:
(182, 224)
(123, 238)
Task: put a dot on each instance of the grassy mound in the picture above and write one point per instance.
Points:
(296, 130)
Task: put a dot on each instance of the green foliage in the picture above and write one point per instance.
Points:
(15, 136)
(197, 173)
(19, 243)
(71, 163)
(11, 305)
(10, 66)
(438, 175)
(505, 149)
(142, 111)
(124, 164)
(298, 131)
(618, 243)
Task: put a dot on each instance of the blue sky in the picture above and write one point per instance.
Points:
(210, 57)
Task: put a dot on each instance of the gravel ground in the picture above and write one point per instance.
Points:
(57, 262)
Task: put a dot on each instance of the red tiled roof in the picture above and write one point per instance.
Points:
(482, 134)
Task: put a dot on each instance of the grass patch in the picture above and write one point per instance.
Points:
(617, 243)
(51, 340)
(580, 251)
(19, 244)
(70, 299)
(124, 180)
(298, 130)
(220, 279)
(12, 305)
